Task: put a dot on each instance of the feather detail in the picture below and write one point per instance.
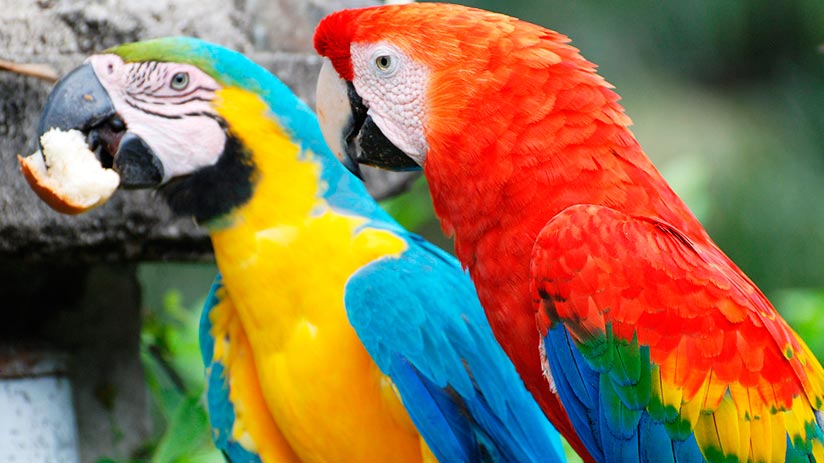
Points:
(241, 424)
(726, 381)
(470, 405)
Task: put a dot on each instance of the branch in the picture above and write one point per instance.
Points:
(40, 71)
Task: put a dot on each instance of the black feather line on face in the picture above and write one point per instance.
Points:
(212, 192)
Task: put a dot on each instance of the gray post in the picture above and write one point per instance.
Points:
(36, 417)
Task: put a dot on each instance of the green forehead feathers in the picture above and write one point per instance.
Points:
(174, 49)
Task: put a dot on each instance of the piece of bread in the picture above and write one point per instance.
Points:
(67, 175)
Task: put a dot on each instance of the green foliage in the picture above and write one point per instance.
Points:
(803, 309)
(187, 438)
(174, 372)
(170, 347)
(412, 209)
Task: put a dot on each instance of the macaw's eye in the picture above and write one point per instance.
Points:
(383, 62)
(180, 81)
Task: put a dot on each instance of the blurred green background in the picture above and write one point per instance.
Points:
(728, 101)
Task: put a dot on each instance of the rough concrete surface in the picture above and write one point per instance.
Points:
(37, 416)
(133, 225)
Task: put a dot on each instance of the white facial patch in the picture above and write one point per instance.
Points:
(189, 135)
(393, 87)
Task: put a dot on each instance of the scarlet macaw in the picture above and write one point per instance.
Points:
(657, 344)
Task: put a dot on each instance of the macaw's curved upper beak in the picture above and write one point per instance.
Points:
(348, 129)
(79, 101)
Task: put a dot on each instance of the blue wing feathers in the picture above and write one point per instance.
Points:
(575, 387)
(207, 343)
(654, 446)
(220, 408)
(423, 308)
(610, 418)
(619, 440)
(687, 451)
(434, 413)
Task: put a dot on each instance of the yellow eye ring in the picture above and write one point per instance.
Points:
(179, 81)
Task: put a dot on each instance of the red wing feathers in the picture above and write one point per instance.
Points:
(711, 333)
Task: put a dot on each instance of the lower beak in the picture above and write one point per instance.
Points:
(374, 149)
(80, 102)
(348, 129)
(137, 164)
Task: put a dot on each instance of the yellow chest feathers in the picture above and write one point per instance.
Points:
(290, 247)
(285, 257)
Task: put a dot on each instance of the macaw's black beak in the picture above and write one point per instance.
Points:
(79, 101)
(366, 144)
(349, 130)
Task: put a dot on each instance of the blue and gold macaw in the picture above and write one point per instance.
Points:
(332, 334)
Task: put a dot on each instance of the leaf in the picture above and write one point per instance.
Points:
(187, 438)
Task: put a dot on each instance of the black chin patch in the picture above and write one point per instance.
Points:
(212, 192)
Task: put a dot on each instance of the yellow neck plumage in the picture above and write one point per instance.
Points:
(288, 184)
(286, 256)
